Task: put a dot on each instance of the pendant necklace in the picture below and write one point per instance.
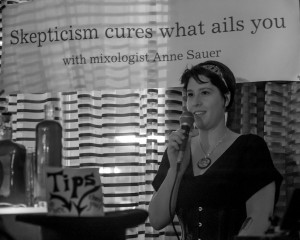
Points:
(205, 162)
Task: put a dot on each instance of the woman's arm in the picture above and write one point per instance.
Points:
(159, 214)
(259, 209)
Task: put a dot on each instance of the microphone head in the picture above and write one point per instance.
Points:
(187, 118)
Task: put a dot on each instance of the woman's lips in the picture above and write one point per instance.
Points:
(199, 113)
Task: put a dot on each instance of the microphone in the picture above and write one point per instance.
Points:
(186, 122)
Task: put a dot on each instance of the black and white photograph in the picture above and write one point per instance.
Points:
(149, 120)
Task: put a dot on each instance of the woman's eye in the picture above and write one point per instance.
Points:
(190, 94)
(205, 92)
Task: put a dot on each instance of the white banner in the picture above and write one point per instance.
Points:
(64, 45)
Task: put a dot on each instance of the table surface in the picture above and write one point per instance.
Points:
(118, 219)
(22, 210)
(111, 226)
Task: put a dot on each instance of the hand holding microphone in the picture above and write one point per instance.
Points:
(179, 139)
(186, 122)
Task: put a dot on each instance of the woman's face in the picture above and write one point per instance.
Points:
(205, 101)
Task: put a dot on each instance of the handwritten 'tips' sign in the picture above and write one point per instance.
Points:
(74, 192)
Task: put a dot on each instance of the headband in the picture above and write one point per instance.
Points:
(215, 69)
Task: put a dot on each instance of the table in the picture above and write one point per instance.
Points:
(112, 226)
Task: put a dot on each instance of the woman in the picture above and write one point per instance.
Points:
(226, 184)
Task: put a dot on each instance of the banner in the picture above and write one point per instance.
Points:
(64, 45)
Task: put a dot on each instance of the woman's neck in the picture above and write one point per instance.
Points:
(209, 137)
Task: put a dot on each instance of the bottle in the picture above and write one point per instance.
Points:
(48, 151)
(12, 165)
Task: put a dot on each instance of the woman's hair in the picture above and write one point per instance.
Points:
(218, 73)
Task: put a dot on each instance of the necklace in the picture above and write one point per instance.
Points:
(205, 162)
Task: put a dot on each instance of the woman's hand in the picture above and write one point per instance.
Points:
(175, 141)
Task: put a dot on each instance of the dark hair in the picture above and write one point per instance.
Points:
(216, 79)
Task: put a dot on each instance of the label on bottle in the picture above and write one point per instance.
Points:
(5, 175)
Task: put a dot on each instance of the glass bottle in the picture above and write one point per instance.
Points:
(48, 150)
(12, 165)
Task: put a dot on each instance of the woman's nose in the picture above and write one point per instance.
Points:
(195, 102)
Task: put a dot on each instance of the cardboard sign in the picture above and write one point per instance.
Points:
(74, 192)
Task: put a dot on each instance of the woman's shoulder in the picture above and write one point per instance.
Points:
(247, 142)
(252, 144)
(250, 138)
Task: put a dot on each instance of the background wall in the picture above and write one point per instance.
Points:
(124, 133)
